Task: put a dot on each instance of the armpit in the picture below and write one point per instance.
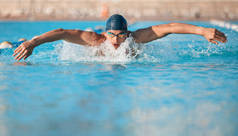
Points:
(96, 39)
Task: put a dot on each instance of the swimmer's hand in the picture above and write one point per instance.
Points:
(213, 35)
(24, 50)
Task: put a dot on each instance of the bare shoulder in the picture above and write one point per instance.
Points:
(85, 37)
(143, 35)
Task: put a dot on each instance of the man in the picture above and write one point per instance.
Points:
(7, 44)
(116, 33)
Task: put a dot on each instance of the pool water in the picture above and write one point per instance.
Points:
(180, 85)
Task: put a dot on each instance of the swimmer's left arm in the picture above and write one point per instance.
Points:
(159, 31)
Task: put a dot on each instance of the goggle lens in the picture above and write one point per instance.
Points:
(120, 35)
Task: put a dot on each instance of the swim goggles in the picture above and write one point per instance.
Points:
(120, 35)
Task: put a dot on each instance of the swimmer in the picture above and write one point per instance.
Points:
(116, 33)
(7, 44)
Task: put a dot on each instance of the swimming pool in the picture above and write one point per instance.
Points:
(180, 85)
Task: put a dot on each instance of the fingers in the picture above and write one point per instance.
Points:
(217, 36)
(220, 33)
(22, 52)
(19, 53)
(213, 41)
(26, 57)
(220, 36)
(17, 50)
(22, 55)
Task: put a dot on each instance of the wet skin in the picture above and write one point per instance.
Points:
(116, 37)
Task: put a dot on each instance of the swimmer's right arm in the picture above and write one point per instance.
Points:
(74, 36)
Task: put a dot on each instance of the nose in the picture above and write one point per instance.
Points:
(115, 39)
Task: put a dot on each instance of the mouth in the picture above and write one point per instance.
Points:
(116, 45)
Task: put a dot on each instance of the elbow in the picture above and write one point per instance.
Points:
(173, 24)
(175, 28)
(60, 30)
(62, 33)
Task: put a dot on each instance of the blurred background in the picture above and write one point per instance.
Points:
(133, 9)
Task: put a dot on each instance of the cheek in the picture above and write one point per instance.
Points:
(122, 40)
(109, 38)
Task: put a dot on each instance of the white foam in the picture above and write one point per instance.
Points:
(104, 53)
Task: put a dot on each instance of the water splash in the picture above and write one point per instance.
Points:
(160, 51)
(106, 53)
(197, 51)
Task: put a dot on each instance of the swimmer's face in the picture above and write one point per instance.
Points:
(116, 37)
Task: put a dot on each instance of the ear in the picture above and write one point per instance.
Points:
(103, 33)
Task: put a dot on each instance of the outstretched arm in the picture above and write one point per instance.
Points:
(159, 31)
(74, 36)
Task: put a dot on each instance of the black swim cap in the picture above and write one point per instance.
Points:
(116, 22)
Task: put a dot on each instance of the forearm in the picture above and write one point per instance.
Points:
(180, 28)
(177, 28)
(211, 34)
(73, 36)
(50, 36)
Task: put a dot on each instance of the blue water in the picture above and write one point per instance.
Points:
(180, 85)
